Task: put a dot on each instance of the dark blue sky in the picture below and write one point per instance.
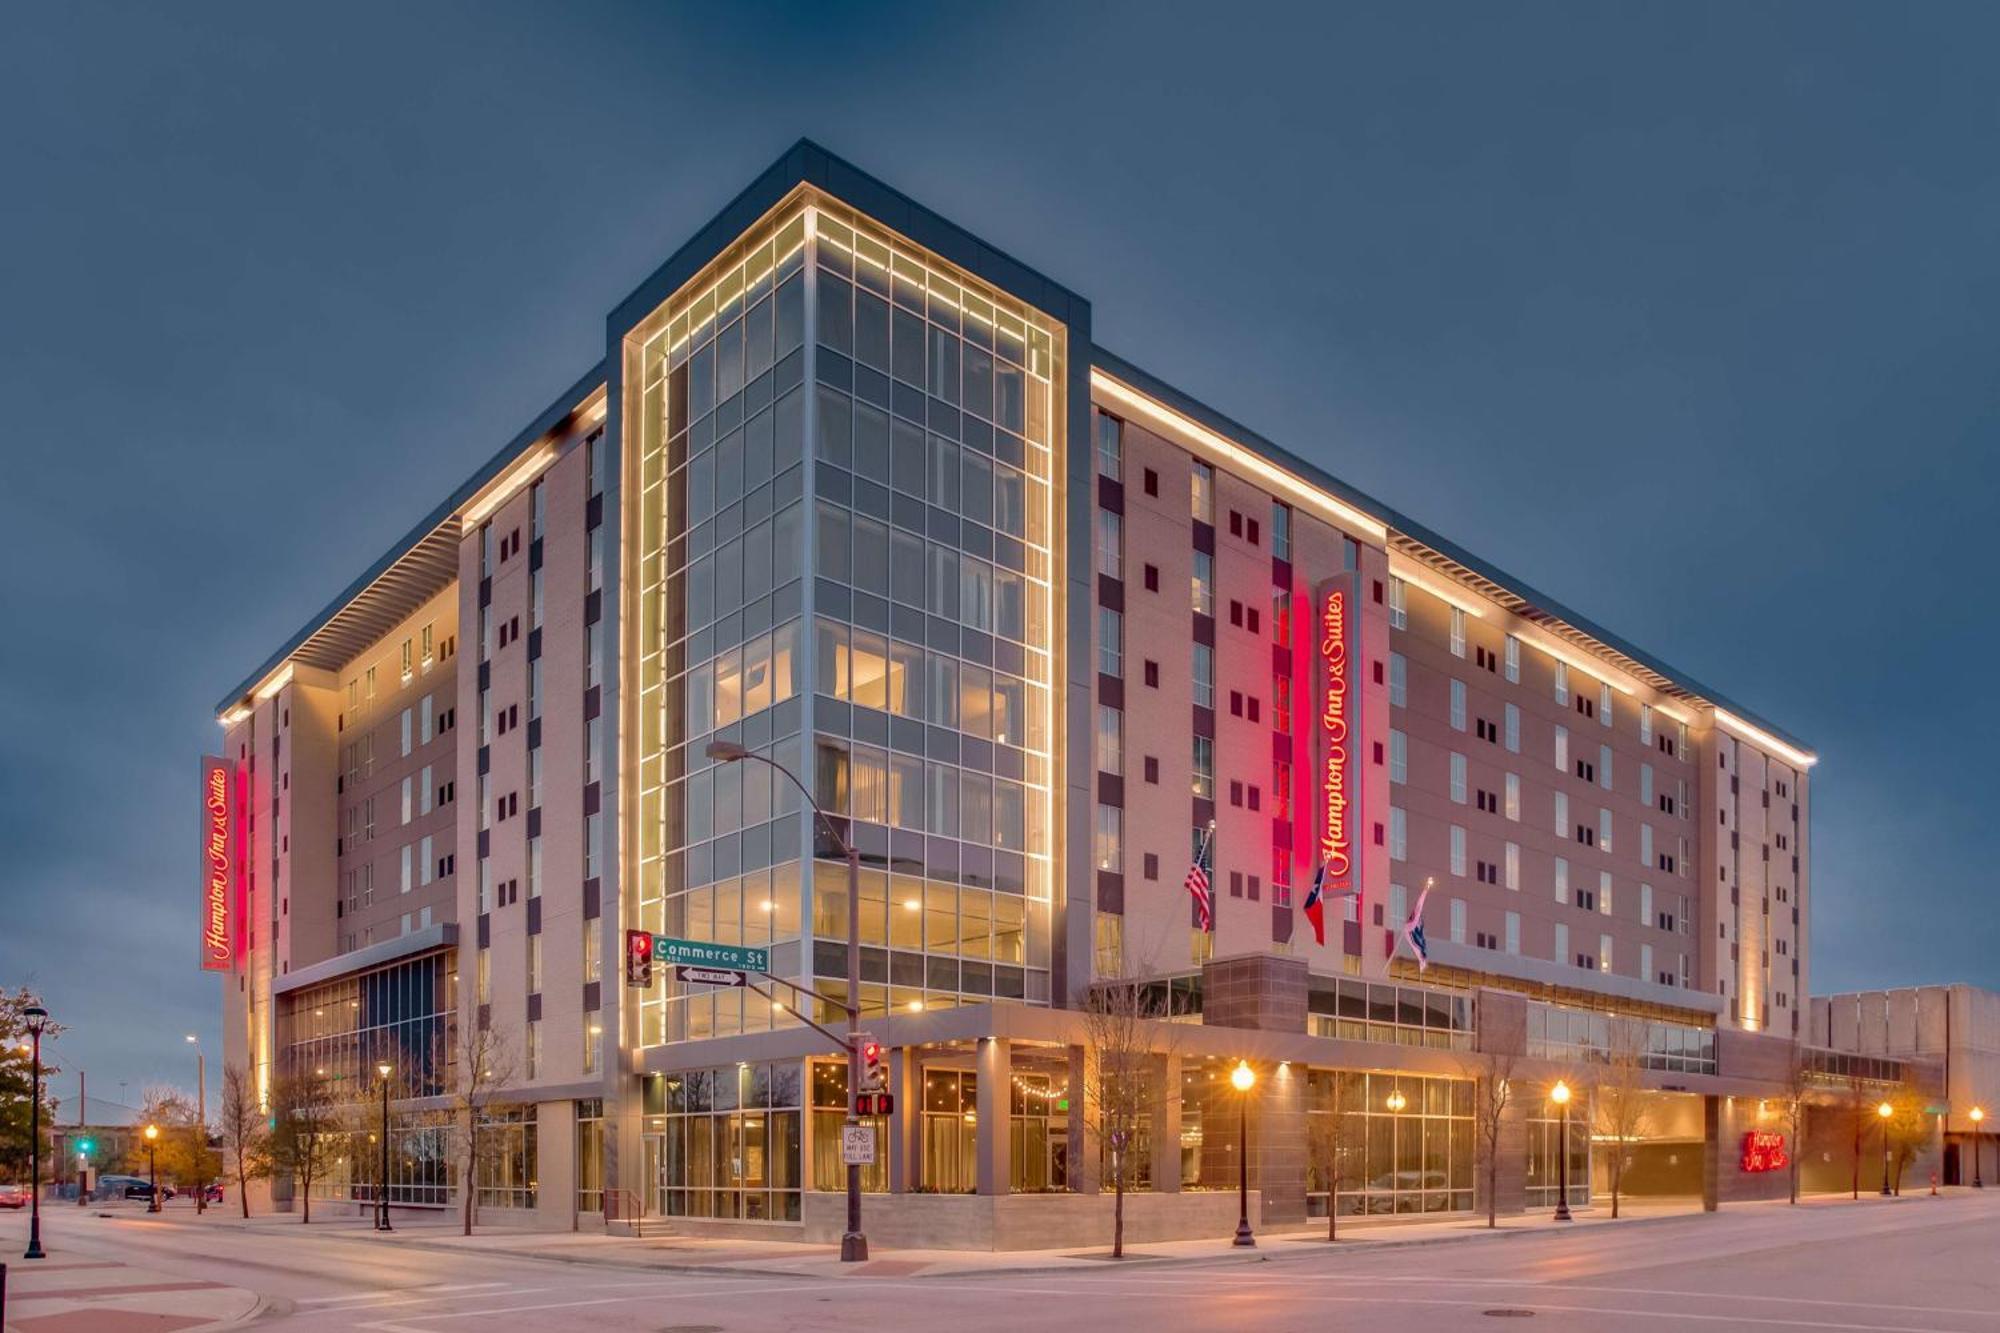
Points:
(1686, 314)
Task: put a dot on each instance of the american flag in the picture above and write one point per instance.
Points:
(1198, 886)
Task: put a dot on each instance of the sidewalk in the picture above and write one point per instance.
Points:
(669, 1253)
(76, 1291)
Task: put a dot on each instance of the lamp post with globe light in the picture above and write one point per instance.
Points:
(37, 1020)
(1883, 1112)
(152, 1170)
(1977, 1116)
(1559, 1094)
(383, 1070)
(1243, 1078)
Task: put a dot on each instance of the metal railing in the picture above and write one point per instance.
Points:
(625, 1206)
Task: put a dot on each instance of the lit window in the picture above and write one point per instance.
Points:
(1110, 739)
(1110, 838)
(1202, 493)
(1457, 632)
(1204, 767)
(1514, 796)
(1204, 676)
(1562, 682)
(1399, 607)
(1204, 583)
(1110, 447)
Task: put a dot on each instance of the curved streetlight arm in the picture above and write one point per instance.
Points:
(728, 752)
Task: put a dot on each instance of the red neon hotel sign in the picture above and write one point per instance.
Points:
(1764, 1150)
(1337, 729)
(218, 867)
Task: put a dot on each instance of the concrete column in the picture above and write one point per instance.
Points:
(1166, 1128)
(906, 1151)
(555, 1165)
(993, 1137)
(1084, 1176)
(1511, 1181)
(1711, 1153)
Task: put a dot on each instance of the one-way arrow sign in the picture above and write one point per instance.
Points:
(708, 976)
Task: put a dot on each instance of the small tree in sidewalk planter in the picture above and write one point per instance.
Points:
(1332, 1138)
(309, 1134)
(1620, 1108)
(1493, 1093)
(1122, 1021)
(477, 1061)
(1792, 1112)
(246, 1139)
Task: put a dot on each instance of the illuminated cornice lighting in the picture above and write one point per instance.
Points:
(274, 682)
(1764, 740)
(509, 482)
(1414, 575)
(233, 716)
(1236, 456)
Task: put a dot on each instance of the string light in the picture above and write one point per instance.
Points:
(1045, 1094)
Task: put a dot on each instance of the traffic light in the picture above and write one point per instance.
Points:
(873, 1076)
(638, 958)
(85, 1146)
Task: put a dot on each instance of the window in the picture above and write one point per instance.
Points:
(1645, 724)
(1562, 748)
(1458, 778)
(1513, 932)
(1110, 447)
(1604, 829)
(1604, 953)
(1513, 660)
(1513, 866)
(1604, 767)
(1399, 678)
(1513, 726)
(1204, 767)
(1399, 757)
(594, 570)
(1110, 544)
(1109, 849)
(1457, 631)
(1458, 920)
(1604, 704)
(535, 869)
(1281, 531)
(1645, 846)
(1562, 815)
(1514, 796)
(1458, 705)
(1204, 676)
(408, 731)
(1399, 604)
(1562, 879)
(1110, 739)
(1110, 642)
(1562, 684)
(1562, 943)
(1201, 494)
(1457, 849)
(1646, 784)
(1399, 838)
(1204, 583)
(408, 853)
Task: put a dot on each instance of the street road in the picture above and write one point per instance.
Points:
(1883, 1267)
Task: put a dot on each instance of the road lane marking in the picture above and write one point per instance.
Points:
(396, 1291)
(735, 1289)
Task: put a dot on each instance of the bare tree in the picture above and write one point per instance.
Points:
(1792, 1105)
(1493, 1093)
(311, 1133)
(1619, 1105)
(245, 1136)
(1909, 1129)
(1858, 1109)
(1122, 1028)
(477, 1062)
(182, 1154)
(1330, 1139)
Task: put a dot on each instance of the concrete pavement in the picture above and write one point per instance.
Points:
(1877, 1266)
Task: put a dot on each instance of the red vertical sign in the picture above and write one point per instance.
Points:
(1339, 731)
(218, 866)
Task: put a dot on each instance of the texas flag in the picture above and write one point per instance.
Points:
(1315, 907)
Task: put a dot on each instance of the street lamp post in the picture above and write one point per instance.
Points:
(1883, 1112)
(382, 1182)
(201, 1126)
(853, 1243)
(1243, 1078)
(1977, 1116)
(152, 1170)
(37, 1019)
(1560, 1096)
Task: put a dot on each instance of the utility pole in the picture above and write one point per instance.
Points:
(201, 1124)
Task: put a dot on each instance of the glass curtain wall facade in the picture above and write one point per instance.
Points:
(399, 1013)
(844, 458)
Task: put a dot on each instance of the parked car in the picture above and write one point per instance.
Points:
(13, 1196)
(213, 1194)
(130, 1187)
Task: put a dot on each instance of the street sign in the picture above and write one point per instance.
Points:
(709, 976)
(857, 1145)
(701, 953)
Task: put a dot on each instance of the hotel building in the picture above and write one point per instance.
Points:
(858, 492)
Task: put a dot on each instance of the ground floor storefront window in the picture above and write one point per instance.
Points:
(590, 1155)
(829, 1113)
(725, 1142)
(508, 1166)
(421, 1166)
(1401, 1143)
